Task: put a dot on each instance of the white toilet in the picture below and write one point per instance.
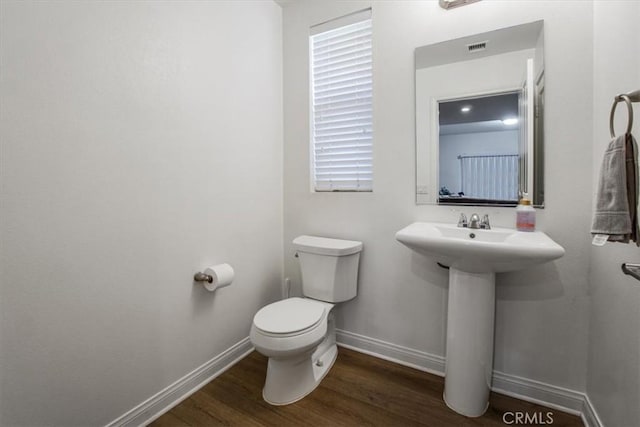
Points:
(298, 334)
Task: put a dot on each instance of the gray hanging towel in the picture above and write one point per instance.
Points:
(615, 211)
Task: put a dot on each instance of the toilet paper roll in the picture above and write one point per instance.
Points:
(222, 276)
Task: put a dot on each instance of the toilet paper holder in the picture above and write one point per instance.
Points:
(201, 277)
(215, 277)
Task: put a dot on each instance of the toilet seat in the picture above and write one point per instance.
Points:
(291, 326)
(289, 317)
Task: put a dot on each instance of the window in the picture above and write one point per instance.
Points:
(341, 104)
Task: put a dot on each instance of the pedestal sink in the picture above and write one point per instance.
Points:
(474, 256)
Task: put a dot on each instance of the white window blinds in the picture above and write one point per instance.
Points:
(341, 97)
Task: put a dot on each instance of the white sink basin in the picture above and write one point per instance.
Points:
(474, 257)
(479, 251)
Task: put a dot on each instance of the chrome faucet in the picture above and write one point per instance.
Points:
(474, 221)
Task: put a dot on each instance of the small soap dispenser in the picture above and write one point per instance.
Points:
(525, 216)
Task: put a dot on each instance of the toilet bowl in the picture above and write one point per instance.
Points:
(298, 334)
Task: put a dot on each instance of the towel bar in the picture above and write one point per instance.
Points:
(632, 270)
(628, 99)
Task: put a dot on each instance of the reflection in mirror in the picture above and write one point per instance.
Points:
(479, 128)
(479, 149)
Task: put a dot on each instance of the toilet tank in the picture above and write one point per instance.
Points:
(329, 267)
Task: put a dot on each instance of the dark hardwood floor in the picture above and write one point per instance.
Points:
(359, 390)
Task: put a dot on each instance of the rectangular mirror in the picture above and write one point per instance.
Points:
(479, 118)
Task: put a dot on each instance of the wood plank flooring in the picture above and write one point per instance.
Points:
(359, 390)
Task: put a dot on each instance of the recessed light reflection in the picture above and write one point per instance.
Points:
(466, 109)
(510, 121)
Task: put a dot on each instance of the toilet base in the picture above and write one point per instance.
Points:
(292, 378)
(289, 380)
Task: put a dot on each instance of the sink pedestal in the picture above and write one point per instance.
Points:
(469, 361)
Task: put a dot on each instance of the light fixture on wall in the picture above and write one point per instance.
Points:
(450, 4)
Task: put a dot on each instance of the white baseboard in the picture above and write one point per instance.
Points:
(394, 353)
(552, 396)
(562, 399)
(166, 399)
(589, 415)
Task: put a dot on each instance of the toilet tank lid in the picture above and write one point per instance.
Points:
(326, 246)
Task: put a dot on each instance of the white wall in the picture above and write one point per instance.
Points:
(614, 346)
(542, 312)
(141, 141)
(475, 143)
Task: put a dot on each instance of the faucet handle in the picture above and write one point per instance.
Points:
(485, 222)
(462, 221)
